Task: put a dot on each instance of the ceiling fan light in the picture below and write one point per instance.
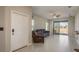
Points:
(54, 16)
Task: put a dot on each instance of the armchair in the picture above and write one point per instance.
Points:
(37, 38)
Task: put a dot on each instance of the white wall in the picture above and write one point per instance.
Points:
(39, 22)
(2, 36)
(27, 10)
(77, 22)
(77, 28)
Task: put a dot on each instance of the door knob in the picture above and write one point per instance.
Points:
(12, 31)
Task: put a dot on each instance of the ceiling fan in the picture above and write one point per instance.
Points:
(54, 15)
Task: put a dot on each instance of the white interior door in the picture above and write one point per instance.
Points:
(20, 31)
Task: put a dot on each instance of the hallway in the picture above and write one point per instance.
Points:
(54, 43)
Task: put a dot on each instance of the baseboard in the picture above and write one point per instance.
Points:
(22, 47)
(29, 44)
(19, 48)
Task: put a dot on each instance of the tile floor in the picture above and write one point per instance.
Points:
(55, 43)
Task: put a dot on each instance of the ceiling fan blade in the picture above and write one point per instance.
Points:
(57, 15)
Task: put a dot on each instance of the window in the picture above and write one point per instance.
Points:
(47, 25)
(32, 24)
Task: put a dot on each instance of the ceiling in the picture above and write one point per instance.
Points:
(63, 11)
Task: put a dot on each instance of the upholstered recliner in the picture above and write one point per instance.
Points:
(37, 38)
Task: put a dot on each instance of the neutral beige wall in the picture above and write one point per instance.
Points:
(2, 36)
(39, 22)
(71, 31)
(27, 10)
(77, 29)
(77, 22)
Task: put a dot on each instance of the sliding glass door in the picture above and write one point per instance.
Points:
(60, 27)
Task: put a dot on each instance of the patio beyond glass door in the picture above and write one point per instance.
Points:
(60, 27)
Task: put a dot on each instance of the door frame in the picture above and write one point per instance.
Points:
(53, 27)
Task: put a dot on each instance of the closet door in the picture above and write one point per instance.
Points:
(20, 30)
